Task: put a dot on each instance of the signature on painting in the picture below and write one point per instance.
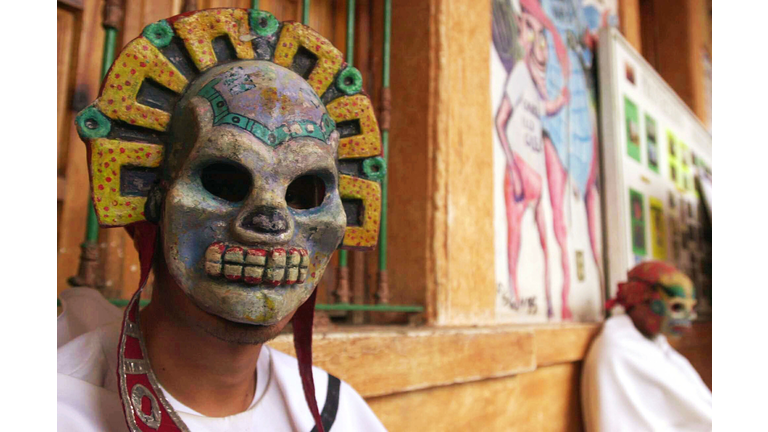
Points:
(523, 304)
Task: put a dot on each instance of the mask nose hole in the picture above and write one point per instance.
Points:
(266, 220)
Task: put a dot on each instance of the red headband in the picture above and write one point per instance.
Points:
(639, 287)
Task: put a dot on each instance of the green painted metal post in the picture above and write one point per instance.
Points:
(383, 293)
(108, 55)
(86, 273)
(305, 12)
(343, 258)
(342, 286)
(350, 31)
(254, 4)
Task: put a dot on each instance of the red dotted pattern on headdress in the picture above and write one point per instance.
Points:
(365, 236)
(357, 107)
(329, 59)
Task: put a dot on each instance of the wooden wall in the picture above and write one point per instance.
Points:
(458, 370)
(673, 36)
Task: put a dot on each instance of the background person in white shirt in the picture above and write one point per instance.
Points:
(633, 380)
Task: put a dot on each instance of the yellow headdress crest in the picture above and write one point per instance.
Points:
(126, 128)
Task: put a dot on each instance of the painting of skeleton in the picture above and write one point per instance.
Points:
(547, 208)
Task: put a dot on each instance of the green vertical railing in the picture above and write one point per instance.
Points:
(108, 55)
(86, 273)
(305, 12)
(350, 43)
(254, 4)
(350, 31)
(385, 136)
(383, 293)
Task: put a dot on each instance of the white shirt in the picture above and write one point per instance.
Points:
(632, 383)
(88, 397)
(524, 128)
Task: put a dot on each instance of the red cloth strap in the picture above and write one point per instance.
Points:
(302, 341)
(144, 405)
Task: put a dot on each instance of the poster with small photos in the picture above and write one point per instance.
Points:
(654, 151)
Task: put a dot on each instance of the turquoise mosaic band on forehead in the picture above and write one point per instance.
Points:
(273, 138)
(677, 291)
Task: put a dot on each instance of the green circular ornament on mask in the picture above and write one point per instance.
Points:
(263, 23)
(92, 124)
(350, 81)
(375, 168)
(159, 33)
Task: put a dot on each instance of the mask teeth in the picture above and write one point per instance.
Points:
(253, 275)
(275, 267)
(213, 258)
(292, 260)
(256, 260)
(255, 266)
(234, 255)
(233, 263)
(303, 265)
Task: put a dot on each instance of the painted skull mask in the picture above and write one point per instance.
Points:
(243, 141)
(678, 301)
(252, 211)
(260, 151)
(659, 299)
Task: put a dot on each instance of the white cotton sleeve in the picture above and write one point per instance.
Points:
(631, 387)
(83, 407)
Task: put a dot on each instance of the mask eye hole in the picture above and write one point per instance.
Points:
(228, 181)
(305, 192)
(677, 307)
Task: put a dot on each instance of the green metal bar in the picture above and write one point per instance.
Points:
(387, 38)
(384, 190)
(254, 4)
(319, 306)
(110, 40)
(350, 31)
(350, 58)
(91, 226)
(124, 302)
(369, 308)
(305, 12)
(385, 136)
(342, 258)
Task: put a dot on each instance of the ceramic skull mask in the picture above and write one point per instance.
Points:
(659, 299)
(252, 212)
(249, 143)
(678, 300)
